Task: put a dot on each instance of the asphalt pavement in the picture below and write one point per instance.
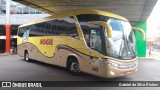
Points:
(14, 68)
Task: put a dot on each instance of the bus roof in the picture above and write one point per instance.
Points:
(87, 11)
(77, 12)
(104, 13)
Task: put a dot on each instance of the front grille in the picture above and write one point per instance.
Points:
(127, 66)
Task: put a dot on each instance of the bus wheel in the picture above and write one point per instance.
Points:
(74, 67)
(26, 56)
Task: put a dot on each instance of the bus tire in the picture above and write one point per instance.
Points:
(26, 56)
(73, 67)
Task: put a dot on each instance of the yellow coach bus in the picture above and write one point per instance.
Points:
(91, 41)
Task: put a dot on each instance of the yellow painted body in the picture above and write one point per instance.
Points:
(77, 47)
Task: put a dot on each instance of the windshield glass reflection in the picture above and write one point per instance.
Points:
(122, 43)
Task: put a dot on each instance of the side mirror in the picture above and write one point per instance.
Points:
(140, 30)
(106, 25)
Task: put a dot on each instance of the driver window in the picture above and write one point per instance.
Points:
(92, 35)
(95, 40)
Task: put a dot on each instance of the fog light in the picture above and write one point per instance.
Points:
(112, 73)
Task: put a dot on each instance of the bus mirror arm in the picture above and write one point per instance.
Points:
(140, 30)
(106, 25)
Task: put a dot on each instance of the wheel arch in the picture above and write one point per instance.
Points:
(25, 50)
(69, 60)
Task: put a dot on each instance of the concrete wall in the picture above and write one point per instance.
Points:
(19, 19)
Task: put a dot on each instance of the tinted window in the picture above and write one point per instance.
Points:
(63, 26)
(66, 27)
(21, 31)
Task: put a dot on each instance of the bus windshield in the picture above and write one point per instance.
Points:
(122, 43)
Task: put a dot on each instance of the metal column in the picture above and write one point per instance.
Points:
(7, 25)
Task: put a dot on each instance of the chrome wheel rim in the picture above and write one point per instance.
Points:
(27, 56)
(74, 67)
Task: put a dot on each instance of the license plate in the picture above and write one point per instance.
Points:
(128, 72)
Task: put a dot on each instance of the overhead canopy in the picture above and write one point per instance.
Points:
(134, 10)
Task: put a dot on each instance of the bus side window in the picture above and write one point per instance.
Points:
(20, 32)
(43, 27)
(66, 27)
(53, 27)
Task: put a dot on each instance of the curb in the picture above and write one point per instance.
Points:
(146, 59)
(5, 54)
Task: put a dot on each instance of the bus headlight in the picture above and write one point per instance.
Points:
(119, 66)
(112, 73)
(112, 64)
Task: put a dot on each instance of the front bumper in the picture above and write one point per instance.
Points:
(118, 69)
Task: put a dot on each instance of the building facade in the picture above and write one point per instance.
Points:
(10, 18)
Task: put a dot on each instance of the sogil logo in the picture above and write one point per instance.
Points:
(46, 42)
